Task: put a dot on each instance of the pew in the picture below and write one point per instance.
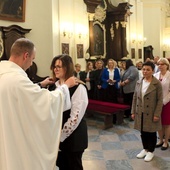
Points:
(108, 109)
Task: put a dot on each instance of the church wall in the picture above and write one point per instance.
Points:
(45, 19)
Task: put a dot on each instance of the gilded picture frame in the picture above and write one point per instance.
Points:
(80, 51)
(133, 53)
(97, 40)
(12, 10)
(65, 48)
(140, 53)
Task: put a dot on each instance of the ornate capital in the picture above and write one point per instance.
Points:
(100, 14)
(117, 24)
(123, 23)
(91, 17)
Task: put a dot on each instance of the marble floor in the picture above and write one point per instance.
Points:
(116, 149)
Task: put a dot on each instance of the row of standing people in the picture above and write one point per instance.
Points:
(110, 83)
(42, 128)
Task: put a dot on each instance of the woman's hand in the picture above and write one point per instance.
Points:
(133, 116)
(155, 118)
(87, 79)
(72, 81)
(99, 86)
(122, 83)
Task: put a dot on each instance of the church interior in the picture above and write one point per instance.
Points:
(136, 29)
(88, 30)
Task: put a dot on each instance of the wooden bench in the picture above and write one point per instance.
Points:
(108, 109)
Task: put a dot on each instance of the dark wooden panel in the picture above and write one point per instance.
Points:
(9, 35)
(92, 4)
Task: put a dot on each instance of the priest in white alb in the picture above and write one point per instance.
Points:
(30, 116)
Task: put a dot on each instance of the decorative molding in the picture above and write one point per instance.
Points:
(91, 17)
(100, 14)
(105, 5)
(1, 45)
(117, 24)
(9, 35)
(123, 23)
(112, 32)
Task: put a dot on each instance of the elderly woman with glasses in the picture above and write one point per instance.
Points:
(164, 76)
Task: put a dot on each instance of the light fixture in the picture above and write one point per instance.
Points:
(64, 33)
(139, 39)
(68, 34)
(166, 44)
(133, 38)
(133, 41)
(81, 31)
(67, 29)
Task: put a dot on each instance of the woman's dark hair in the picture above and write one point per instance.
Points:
(67, 64)
(129, 63)
(149, 63)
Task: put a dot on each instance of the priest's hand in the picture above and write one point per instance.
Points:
(46, 82)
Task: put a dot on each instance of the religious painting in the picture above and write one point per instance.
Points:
(132, 53)
(140, 53)
(97, 40)
(164, 54)
(65, 48)
(80, 51)
(12, 10)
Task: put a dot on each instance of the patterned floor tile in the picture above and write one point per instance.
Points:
(116, 149)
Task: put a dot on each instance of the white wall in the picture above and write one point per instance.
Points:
(136, 34)
(45, 20)
(38, 18)
(74, 18)
(154, 24)
(149, 20)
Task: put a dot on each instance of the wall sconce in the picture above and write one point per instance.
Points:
(133, 38)
(67, 29)
(166, 44)
(64, 33)
(133, 41)
(81, 31)
(67, 34)
(82, 35)
(142, 40)
(138, 39)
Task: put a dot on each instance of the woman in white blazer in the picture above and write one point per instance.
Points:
(164, 76)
